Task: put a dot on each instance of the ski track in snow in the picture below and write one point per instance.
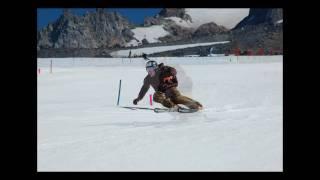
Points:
(81, 129)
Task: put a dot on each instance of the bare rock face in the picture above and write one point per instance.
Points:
(176, 33)
(209, 29)
(265, 36)
(93, 30)
(169, 12)
(164, 13)
(144, 41)
(258, 16)
(175, 12)
(179, 33)
(276, 15)
(259, 30)
(149, 21)
(127, 34)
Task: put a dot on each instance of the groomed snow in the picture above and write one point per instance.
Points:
(149, 50)
(80, 128)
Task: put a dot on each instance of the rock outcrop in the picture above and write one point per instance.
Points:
(93, 30)
(261, 16)
(209, 29)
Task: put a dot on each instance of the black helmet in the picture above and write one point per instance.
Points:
(151, 64)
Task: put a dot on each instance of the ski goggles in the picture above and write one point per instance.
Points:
(150, 68)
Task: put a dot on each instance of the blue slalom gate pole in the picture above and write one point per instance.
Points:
(119, 93)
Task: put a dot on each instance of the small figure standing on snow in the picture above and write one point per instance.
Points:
(164, 82)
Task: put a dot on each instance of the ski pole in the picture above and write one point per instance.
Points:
(119, 93)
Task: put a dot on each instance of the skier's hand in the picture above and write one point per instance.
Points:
(135, 101)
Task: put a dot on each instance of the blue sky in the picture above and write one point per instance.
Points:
(135, 15)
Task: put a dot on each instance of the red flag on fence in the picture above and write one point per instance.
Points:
(260, 51)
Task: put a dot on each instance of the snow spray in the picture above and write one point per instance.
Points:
(150, 97)
(119, 93)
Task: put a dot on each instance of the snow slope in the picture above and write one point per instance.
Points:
(81, 129)
(151, 33)
(149, 50)
(228, 18)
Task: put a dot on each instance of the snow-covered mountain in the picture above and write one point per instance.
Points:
(174, 23)
(99, 33)
(223, 17)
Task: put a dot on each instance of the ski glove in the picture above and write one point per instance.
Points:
(135, 101)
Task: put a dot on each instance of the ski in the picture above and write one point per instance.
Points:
(180, 110)
(144, 108)
(186, 110)
(161, 110)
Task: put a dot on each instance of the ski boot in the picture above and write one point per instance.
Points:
(175, 108)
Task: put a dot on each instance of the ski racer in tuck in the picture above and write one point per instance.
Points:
(164, 82)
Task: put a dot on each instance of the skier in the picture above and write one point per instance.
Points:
(164, 81)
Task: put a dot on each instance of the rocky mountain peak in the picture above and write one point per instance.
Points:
(261, 15)
(209, 29)
(93, 30)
